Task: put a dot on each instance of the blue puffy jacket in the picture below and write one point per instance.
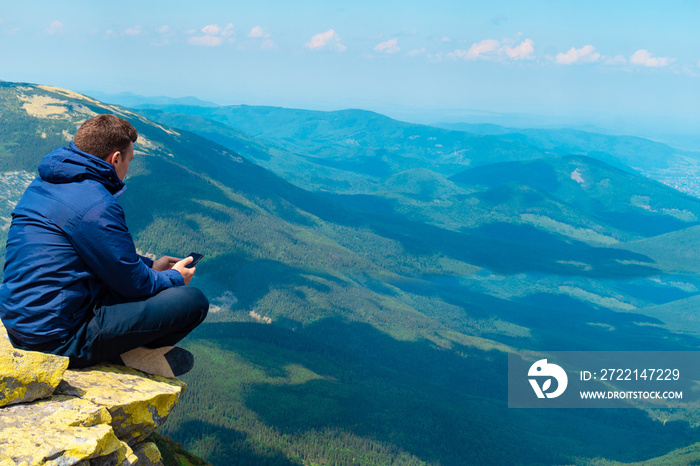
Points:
(68, 246)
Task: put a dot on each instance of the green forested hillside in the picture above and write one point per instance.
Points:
(374, 328)
(677, 251)
(372, 147)
(614, 196)
(625, 151)
(350, 151)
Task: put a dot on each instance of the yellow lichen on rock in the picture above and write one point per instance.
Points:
(27, 375)
(148, 454)
(60, 427)
(138, 403)
(123, 456)
(94, 417)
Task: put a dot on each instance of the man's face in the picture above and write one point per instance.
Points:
(121, 163)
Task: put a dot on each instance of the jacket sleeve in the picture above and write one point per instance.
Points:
(104, 243)
(146, 260)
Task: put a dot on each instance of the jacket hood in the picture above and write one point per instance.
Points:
(70, 165)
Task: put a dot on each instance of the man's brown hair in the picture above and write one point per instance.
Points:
(105, 134)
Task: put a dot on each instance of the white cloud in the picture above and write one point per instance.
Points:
(326, 40)
(416, 52)
(55, 27)
(691, 71)
(616, 60)
(268, 45)
(523, 51)
(165, 35)
(211, 29)
(491, 49)
(214, 36)
(261, 38)
(258, 32)
(644, 58)
(585, 54)
(206, 41)
(446, 39)
(228, 30)
(390, 46)
(480, 48)
(134, 31)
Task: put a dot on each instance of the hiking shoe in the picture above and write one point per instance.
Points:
(167, 361)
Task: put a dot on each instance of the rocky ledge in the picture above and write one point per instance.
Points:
(101, 415)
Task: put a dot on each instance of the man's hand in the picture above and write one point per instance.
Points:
(185, 272)
(165, 263)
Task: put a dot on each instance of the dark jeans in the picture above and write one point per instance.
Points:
(117, 327)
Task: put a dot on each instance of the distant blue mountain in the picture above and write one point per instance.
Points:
(352, 138)
(621, 151)
(128, 99)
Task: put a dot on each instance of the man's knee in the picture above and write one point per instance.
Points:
(185, 300)
(194, 300)
(198, 300)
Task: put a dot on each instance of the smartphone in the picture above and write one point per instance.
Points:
(197, 257)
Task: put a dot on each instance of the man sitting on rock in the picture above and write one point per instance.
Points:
(74, 284)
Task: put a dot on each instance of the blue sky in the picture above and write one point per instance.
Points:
(587, 60)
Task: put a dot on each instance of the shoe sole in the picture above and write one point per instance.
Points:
(167, 361)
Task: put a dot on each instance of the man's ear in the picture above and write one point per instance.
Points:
(114, 158)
